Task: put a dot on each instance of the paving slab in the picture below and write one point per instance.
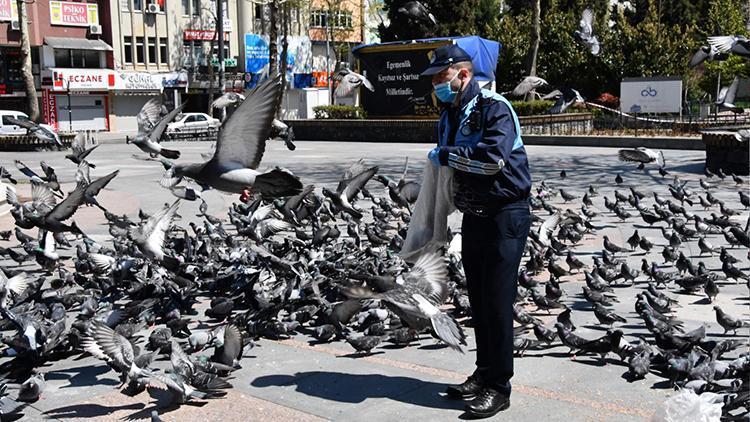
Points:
(294, 380)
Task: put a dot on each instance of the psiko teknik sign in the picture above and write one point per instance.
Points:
(660, 94)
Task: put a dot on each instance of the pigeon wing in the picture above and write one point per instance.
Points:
(26, 124)
(69, 205)
(149, 114)
(156, 227)
(660, 159)
(731, 92)
(366, 82)
(232, 343)
(42, 196)
(723, 43)
(97, 185)
(181, 361)
(104, 343)
(554, 94)
(699, 57)
(587, 22)
(26, 170)
(18, 283)
(356, 183)
(634, 155)
(242, 138)
(156, 132)
(346, 85)
(83, 173)
(430, 275)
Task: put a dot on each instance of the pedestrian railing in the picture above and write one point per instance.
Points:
(197, 134)
(32, 143)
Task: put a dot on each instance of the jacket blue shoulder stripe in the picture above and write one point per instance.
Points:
(480, 167)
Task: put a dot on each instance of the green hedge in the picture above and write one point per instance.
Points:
(338, 112)
(531, 108)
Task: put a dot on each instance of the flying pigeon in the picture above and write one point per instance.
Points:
(239, 150)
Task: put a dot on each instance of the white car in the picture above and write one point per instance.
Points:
(193, 123)
(7, 128)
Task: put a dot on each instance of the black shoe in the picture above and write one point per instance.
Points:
(466, 390)
(487, 403)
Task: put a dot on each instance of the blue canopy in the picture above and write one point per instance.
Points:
(484, 53)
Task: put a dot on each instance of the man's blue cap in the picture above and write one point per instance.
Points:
(443, 57)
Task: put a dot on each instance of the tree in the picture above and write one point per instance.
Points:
(32, 106)
(453, 19)
(725, 17)
(536, 6)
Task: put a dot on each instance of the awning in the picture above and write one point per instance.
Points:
(77, 43)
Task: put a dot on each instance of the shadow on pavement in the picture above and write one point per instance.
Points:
(89, 410)
(356, 388)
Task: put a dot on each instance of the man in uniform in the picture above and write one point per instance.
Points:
(479, 135)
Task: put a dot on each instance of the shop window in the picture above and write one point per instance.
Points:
(139, 50)
(163, 54)
(138, 5)
(90, 58)
(62, 58)
(125, 5)
(127, 43)
(152, 50)
(186, 7)
(196, 8)
(322, 19)
(215, 50)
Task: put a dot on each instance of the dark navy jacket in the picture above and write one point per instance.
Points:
(488, 155)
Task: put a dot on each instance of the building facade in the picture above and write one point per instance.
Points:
(62, 35)
(96, 62)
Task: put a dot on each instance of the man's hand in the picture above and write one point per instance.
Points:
(433, 156)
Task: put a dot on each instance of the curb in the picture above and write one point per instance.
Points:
(682, 142)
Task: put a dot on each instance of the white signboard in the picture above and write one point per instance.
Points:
(63, 79)
(651, 95)
(139, 81)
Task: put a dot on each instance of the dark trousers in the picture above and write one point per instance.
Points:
(492, 248)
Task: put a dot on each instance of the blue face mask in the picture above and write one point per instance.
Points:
(444, 92)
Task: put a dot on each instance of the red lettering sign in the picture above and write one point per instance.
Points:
(6, 13)
(52, 111)
(200, 35)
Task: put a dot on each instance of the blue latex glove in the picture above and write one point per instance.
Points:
(434, 156)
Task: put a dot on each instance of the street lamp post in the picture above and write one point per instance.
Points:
(70, 109)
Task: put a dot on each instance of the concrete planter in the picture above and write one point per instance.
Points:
(725, 152)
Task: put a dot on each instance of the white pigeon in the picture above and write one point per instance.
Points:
(527, 85)
(586, 33)
(642, 155)
(348, 81)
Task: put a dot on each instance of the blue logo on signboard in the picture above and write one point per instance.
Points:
(649, 92)
(256, 53)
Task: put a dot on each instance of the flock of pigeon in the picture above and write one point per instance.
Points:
(172, 308)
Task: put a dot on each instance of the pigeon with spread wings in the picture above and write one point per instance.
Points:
(585, 35)
(239, 150)
(151, 127)
(43, 132)
(417, 299)
(349, 81)
(642, 155)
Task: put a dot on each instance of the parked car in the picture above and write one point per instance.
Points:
(7, 128)
(193, 123)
